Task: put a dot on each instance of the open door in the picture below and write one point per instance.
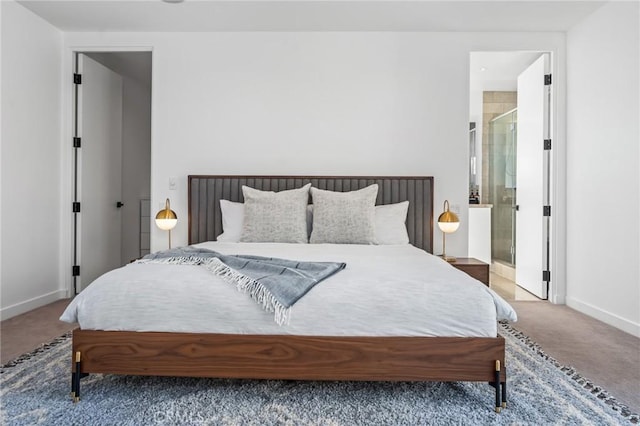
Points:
(99, 169)
(532, 221)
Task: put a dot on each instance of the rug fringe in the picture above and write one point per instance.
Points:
(40, 349)
(570, 371)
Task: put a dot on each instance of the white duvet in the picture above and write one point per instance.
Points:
(390, 290)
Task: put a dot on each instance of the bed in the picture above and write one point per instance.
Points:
(295, 352)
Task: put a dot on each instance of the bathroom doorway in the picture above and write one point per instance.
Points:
(511, 150)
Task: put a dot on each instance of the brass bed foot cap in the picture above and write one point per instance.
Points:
(76, 399)
(504, 405)
(498, 409)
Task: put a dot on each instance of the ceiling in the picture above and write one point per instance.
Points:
(311, 15)
(136, 65)
(498, 70)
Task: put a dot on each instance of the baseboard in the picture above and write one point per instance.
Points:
(31, 304)
(604, 316)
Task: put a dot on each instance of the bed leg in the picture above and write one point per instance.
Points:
(497, 383)
(75, 394)
(73, 384)
(504, 389)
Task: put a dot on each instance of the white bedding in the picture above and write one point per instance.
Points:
(390, 290)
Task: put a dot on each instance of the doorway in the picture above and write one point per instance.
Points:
(112, 161)
(510, 104)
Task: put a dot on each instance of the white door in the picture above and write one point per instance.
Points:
(99, 169)
(531, 181)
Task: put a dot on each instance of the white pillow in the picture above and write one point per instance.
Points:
(232, 219)
(275, 217)
(391, 225)
(344, 217)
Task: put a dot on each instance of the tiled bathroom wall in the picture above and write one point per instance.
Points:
(493, 105)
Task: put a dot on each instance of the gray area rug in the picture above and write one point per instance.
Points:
(35, 390)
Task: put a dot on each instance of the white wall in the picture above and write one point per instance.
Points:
(322, 104)
(136, 161)
(312, 103)
(31, 154)
(603, 182)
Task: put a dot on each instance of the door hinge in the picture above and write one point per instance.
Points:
(75, 270)
(76, 207)
(547, 79)
(77, 78)
(546, 276)
(547, 144)
(546, 210)
(77, 142)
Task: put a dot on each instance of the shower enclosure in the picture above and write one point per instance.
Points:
(502, 186)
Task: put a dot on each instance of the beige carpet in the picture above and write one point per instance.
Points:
(607, 356)
(23, 333)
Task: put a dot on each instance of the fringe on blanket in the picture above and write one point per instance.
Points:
(245, 284)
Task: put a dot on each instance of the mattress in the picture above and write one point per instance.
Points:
(385, 290)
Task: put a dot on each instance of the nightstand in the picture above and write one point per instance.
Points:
(477, 269)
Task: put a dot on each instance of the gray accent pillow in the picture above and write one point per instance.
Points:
(275, 217)
(344, 217)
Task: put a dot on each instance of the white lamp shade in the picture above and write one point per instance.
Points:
(448, 227)
(166, 224)
(448, 221)
(166, 218)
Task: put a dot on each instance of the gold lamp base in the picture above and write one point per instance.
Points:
(450, 259)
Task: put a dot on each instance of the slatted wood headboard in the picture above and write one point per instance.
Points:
(205, 193)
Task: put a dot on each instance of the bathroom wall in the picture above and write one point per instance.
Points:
(493, 105)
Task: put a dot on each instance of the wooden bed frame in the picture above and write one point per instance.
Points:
(295, 357)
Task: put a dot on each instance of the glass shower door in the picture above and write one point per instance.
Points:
(502, 186)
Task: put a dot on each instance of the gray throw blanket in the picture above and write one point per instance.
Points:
(276, 284)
